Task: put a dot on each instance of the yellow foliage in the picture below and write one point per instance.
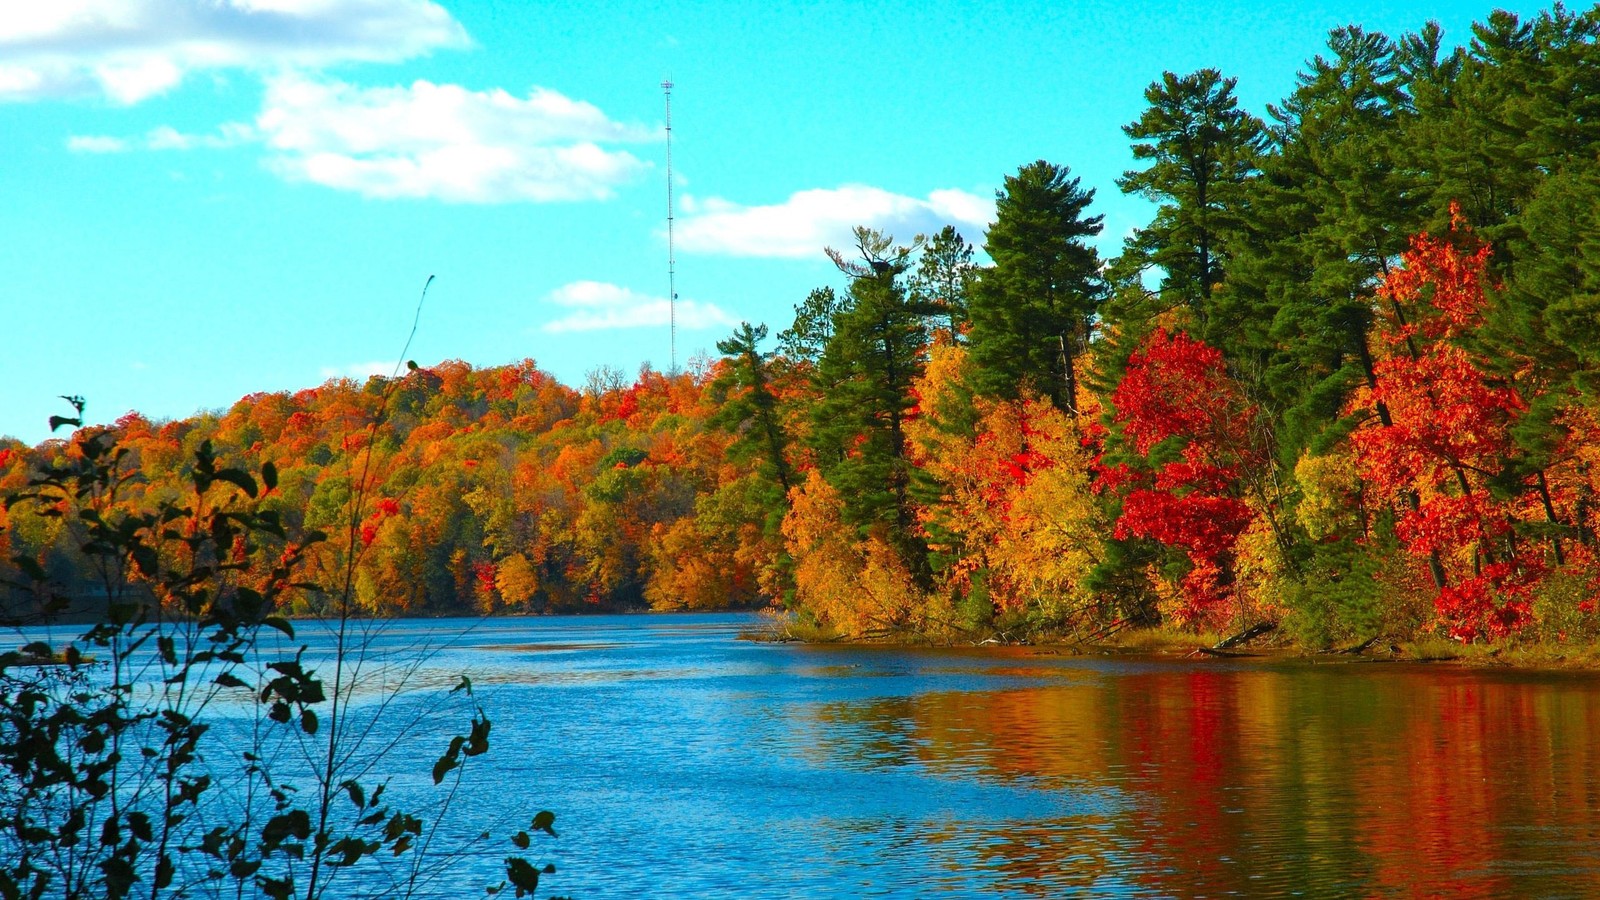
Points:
(517, 580)
(856, 586)
(1260, 579)
(688, 570)
(1016, 500)
(1330, 490)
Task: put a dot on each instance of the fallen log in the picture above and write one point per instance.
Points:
(1249, 634)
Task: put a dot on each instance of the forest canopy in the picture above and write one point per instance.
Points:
(1347, 379)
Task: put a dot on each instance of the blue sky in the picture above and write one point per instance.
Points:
(205, 198)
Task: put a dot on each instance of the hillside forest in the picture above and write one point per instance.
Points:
(1347, 379)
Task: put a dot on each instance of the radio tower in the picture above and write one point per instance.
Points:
(672, 261)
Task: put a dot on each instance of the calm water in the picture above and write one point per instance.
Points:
(683, 762)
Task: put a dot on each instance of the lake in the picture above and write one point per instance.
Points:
(684, 762)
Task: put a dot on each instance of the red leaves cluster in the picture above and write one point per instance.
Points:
(386, 508)
(1449, 432)
(1176, 387)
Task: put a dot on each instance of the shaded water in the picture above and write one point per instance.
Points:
(684, 762)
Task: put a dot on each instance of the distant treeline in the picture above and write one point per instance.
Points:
(1347, 379)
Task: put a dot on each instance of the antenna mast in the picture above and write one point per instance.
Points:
(672, 261)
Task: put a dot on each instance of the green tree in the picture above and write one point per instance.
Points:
(813, 325)
(749, 409)
(944, 276)
(1201, 151)
(1031, 311)
(865, 376)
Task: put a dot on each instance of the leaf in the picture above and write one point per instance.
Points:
(308, 721)
(58, 421)
(230, 680)
(443, 767)
(522, 840)
(357, 795)
(269, 475)
(139, 824)
(238, 477)
(522, 875)
(30, 567)
(280, 623)
(544, 821)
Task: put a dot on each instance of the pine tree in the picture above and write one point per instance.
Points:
(1202, 150)
(1031, 311)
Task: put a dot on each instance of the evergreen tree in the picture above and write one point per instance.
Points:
(1201, 150)
(750, 409)
(864, 375)
(1031, 311)
(944, 277)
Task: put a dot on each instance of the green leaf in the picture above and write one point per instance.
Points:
(544, 821)
(521, 839)
(228, 679)
(280, 623)
(308, 721)
(269, 475)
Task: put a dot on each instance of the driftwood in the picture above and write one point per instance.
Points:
(1226, 654)
(1361, 647)
(1106, 631)
(1249, 634)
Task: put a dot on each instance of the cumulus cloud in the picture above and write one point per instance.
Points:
(129, 50)
(810, 220)
(596, 305)
(444, 141)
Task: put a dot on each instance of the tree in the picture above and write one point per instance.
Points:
(944, 277)
(1447, 440)
(1031, 311)
(750, 407)
(865, 375)
(1193, 447)
(1202, 150)
(813, 325)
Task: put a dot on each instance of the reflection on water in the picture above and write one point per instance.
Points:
(683, 762)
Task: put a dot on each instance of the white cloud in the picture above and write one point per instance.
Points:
(360, 371)
(811, 220)
(444, 141)
(129, 50)
(229, 134)
(96, 143)
(164, 137)
(596, 305)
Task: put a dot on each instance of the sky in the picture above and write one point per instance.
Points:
(208, 198)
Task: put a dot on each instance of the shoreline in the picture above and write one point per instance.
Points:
(1161, 643)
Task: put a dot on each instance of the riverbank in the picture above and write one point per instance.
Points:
(1272, 644)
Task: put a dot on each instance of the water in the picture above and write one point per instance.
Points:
(683, 762)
